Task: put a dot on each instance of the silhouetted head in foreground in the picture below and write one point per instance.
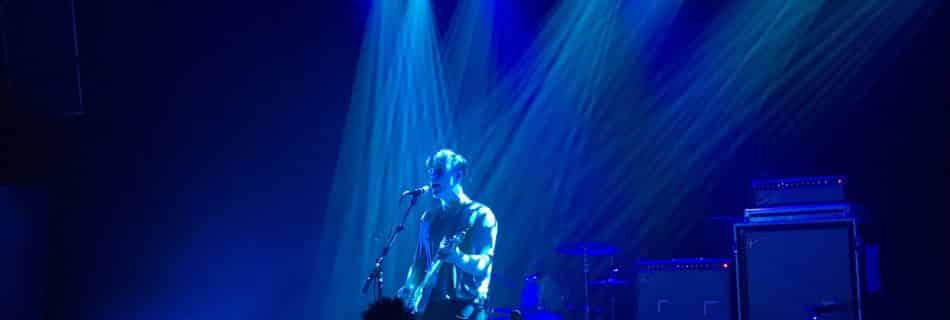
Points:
(387, 309)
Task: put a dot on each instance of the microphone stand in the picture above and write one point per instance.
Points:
(377, 273)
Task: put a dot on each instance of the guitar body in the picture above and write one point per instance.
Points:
(419, 298)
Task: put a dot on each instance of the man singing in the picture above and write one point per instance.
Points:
(460, 288)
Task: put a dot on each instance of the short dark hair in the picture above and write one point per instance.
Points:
(448, 160)
(387, 309)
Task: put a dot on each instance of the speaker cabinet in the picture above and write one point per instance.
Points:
(798, 270)
(684, 289)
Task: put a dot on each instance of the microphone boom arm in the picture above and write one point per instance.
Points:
(377, 273)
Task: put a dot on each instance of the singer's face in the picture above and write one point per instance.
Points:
(442, 182)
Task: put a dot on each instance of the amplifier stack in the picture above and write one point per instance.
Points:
(798, 252)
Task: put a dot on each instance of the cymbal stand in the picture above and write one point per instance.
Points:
(586, 289)
(613, 293)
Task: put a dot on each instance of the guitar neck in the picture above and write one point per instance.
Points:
(432, 273)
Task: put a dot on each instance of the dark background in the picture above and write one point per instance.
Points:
(194, 180)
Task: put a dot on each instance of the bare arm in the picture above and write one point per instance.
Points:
(478, 261)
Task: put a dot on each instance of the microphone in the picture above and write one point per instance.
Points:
(416, 191)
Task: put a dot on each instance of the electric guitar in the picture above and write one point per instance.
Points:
(419, 297)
